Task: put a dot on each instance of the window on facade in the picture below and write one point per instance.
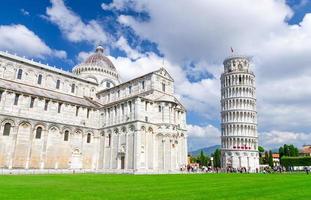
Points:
(1, 92)
(108, 84)
(38, 133)
(122, 109)
(130, 106)
(39, 79)
(115, 111)
(46, 104)
(32, 102)
(73, 86)
(66, 136)
(163, 87)
(16, 99)
(146, 118)
(7, 129)
(88, 138)
(57, 84)
(143, 85)
(160, 109)
(59, 107)
(108, 111)
(108, 97)
(130, 89)
(88, 113)
(19, 74)
(109, 140)
(146, 105)
(77, 110)
(118, 93)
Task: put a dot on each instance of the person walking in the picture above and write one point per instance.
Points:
(307, 170)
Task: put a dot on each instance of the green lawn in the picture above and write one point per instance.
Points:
(144, 187)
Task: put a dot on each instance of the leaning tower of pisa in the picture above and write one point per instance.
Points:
(239, 140)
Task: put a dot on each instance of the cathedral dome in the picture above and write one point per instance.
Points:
(99, 69)
(99, 59)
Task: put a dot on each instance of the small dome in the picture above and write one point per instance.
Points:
(99, 59)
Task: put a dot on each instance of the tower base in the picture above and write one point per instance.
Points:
(247, 161)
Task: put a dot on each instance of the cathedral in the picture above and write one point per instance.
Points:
(88, 119)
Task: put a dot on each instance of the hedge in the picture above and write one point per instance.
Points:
(296, 161)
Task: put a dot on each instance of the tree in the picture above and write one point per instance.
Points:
(270, 159)
(266, 159)
(193, 159)
(286, 150)
(217, 155)
(202, 159)
(261, 151)
(281, 152)
(291, 150)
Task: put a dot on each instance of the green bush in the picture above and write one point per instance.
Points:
(296, 161)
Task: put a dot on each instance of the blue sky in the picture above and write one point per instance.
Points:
(192, 40)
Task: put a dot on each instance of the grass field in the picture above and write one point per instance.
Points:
(144, 187)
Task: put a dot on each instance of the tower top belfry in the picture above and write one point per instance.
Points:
(237, 63)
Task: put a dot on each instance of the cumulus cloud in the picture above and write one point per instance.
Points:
(273, 139)
(202, 136)
(82, 56)
(72, 26)
(19, 39)
(207, 28)
(203, 33)
(130, 52)
(123, 5)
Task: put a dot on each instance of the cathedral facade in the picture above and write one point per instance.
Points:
(88, 118)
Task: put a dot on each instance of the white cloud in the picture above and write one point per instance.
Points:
(123, 44)
(208, 28)
(301, 4)
(275, 139)
(202, 136)
(123, 5)
(24, 12)
(19, 39)
(82, 56)
(71, 25)
(203, 33)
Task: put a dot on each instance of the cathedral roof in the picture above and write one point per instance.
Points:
(98, 59)
(32, 90)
